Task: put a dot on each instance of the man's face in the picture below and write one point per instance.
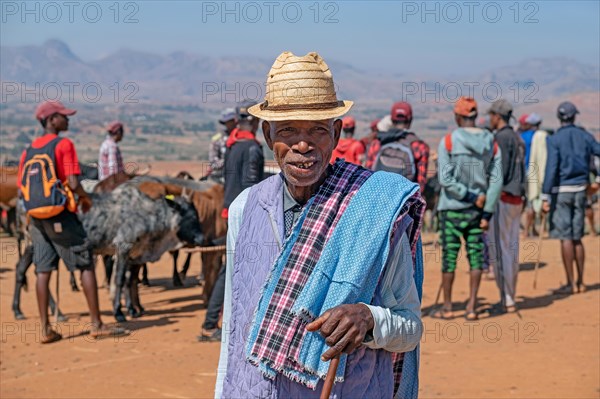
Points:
(119, 135)
(524, 127)
(303, 148)
(494, 120)
(230, 125)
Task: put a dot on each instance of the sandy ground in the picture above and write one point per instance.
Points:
(551, 349)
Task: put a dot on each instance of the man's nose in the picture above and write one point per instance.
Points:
(302, 147)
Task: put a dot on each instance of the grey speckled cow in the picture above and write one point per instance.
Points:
(138, 229)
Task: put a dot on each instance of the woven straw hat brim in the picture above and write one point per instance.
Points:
(301, 114)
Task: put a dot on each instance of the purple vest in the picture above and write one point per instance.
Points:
(369, 373)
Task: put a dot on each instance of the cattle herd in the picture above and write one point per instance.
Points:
(134, 220)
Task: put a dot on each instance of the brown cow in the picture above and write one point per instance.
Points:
(178, 278)
(8, 195)
(8, 186)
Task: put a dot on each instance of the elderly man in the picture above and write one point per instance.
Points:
(311, 275)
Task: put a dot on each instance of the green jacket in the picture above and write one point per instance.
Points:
(472, 168)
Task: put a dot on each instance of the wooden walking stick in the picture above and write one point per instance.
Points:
(537, 263)
(329, 380)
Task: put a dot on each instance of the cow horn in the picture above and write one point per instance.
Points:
(145, 171)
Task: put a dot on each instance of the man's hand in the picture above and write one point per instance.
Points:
(480, 202)
(545, 206)
(484, 225)
(593, 188)
(343, 327)
(85, 203)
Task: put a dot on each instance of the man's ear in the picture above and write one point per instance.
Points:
(50, 120)
(337, 130)
(266, 128)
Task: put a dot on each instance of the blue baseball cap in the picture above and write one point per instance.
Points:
(566, 110)
(242, 109)
(227, 115)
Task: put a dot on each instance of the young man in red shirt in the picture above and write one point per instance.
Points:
(61, 236)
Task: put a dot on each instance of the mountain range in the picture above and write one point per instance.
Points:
(186, 77)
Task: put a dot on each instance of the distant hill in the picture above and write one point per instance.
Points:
(186, 77)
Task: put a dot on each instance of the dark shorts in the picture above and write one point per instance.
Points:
(59, 237)
(568, 215)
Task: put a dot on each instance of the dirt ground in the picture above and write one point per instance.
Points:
(551, 349)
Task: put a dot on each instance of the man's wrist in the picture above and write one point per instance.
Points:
(470, 197)
(371, 324)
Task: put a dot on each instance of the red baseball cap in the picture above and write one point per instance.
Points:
(523, 119)
(466, 106)
(401, 111)
(51, 107)
(348, 122)
(114, 126)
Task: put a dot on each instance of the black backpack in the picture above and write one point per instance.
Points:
(397, 157)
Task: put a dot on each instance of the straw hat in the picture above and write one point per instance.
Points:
(300, 88)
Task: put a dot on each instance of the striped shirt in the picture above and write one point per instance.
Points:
(109, 160)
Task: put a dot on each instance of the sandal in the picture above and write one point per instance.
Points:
(443, 314)
(52, 336)
(210, 335)
(471, 316)
(108, 332)
(566, 289)
(497, 309)
(581, 288)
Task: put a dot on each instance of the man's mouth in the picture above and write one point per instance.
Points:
(304, 165)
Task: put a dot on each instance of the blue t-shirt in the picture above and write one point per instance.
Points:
(527, 137)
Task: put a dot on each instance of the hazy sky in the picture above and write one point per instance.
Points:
(408, 36)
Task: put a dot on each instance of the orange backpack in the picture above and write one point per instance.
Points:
(44, 196)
